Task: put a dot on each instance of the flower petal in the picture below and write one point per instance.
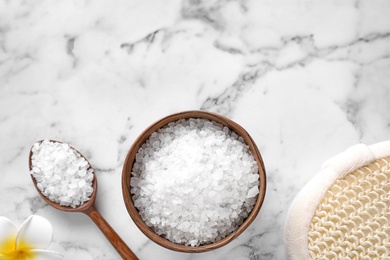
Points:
(41, 254)
(35, 232)
(8, 233)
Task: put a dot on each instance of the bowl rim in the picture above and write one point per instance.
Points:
(128, 165)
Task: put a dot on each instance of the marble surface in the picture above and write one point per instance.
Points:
(307, 79)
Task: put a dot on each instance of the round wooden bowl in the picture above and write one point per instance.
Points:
(128, 165)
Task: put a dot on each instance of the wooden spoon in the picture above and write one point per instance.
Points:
(89, 209)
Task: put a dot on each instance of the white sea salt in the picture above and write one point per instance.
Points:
(194, 181)
(61, 173)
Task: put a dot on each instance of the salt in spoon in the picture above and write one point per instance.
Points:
(89, 209)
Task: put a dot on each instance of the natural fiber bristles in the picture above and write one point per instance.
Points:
(352, 221)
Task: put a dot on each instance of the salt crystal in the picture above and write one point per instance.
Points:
(40, 186)
(81, 183)
(82, 172)
(218, 174)
(191, 179)
(212, 193)
(253, 192)
(83, 162)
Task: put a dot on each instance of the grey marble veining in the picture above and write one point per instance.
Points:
(307, 79)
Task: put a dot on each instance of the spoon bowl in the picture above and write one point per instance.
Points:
(85, 207)
(90, 210)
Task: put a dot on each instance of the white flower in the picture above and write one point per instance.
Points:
(27, 243)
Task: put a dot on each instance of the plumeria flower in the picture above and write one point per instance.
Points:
(27, 243)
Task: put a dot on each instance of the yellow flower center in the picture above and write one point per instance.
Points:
(8, 250)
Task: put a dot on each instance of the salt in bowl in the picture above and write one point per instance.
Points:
(128, 166)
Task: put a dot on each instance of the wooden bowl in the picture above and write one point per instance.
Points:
(128, 165)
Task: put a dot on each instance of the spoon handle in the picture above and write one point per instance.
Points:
(120, 246)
